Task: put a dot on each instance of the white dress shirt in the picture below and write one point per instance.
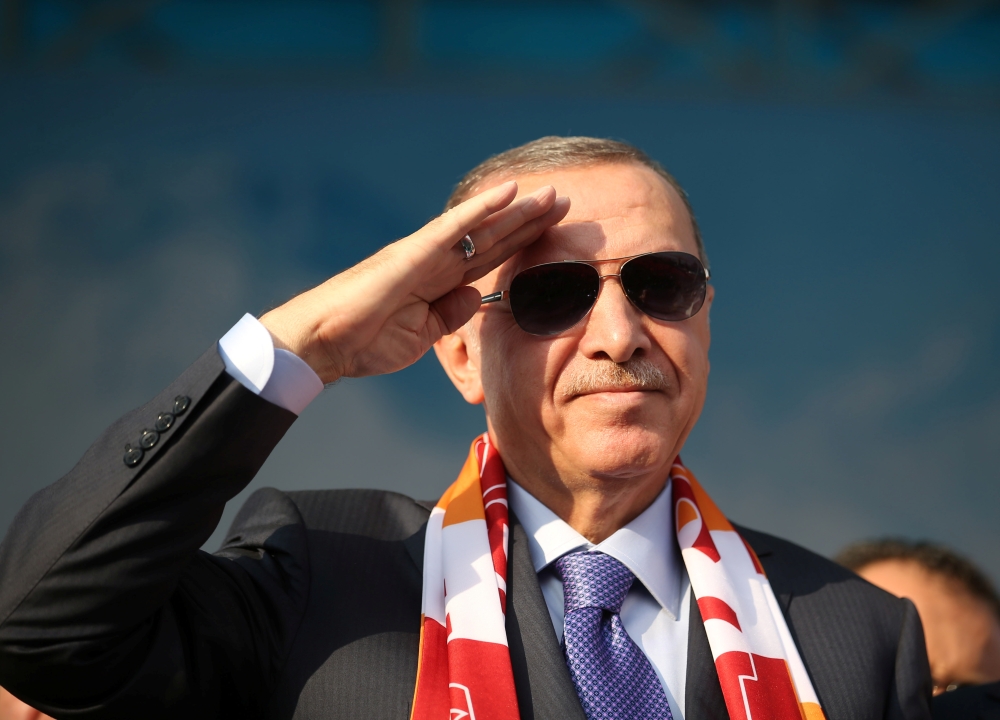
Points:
(656, 610)
(278, 376)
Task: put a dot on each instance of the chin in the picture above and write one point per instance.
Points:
(624, 452)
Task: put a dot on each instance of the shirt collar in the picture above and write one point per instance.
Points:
(647, 546)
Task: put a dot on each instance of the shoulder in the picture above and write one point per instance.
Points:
(797, 572)
(863, 647)
(829, 605)
(373, 513)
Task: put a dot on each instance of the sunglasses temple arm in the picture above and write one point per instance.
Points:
(494, 297)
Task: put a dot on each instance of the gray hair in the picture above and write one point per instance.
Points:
(557, 153)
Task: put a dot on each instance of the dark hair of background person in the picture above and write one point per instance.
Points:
(558, 153)
(933, 558)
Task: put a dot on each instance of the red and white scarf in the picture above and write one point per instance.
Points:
(464, 668)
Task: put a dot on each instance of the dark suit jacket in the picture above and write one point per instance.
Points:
(311, 609)
(975, 702)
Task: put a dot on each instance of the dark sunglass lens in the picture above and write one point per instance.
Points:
(548, 299)
(667, 285)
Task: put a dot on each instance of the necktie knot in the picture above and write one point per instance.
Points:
(593, 579)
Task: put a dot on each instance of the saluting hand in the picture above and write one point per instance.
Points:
(384, 313)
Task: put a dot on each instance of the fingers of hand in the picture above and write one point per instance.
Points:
(521, 237)
(447, 229)
(503, 222)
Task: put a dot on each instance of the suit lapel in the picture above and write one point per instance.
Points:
(702, 693)
(703, 698)
(544, 688)
(764, 551)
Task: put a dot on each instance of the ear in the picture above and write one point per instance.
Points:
(461, 363)
(707, 309)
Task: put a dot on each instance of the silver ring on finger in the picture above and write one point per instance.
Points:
(468, 247)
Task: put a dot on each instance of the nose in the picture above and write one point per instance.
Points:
(614, 329)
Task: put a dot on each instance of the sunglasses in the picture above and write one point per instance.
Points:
(551, 298)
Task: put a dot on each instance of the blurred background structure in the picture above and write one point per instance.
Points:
(167, 166)
(933, 51)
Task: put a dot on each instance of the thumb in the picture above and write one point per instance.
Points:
(456, 308)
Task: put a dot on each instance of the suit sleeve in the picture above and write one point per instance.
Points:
(107, 606)
(911, 692)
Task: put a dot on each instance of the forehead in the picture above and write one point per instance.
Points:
(616, 210)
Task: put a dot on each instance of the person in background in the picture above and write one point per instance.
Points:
(960, 612)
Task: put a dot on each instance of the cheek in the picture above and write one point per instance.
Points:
(686, 349)
(694, 360)
(511, 376)
(519, 373)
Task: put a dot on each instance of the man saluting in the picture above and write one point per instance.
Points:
(575, 569)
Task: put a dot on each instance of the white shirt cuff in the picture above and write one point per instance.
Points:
(278, 376)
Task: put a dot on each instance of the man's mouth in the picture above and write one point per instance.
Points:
(617, 389)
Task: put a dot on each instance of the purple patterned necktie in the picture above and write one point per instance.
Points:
(612, 676)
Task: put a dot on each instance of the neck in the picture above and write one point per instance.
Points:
(594, 507)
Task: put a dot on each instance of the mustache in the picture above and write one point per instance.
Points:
(605, 375)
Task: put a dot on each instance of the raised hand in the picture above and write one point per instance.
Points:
(384, 313)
